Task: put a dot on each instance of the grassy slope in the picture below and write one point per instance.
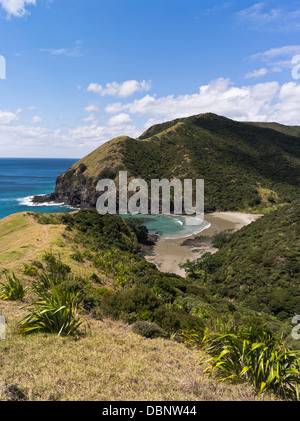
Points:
(23, 240)
(107, 155)
(108, 362)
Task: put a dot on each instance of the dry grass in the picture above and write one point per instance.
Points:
(108, 155)
(23, 240)
(107, 363)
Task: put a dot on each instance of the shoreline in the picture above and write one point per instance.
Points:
(168, 254)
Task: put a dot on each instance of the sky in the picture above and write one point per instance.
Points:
(77, 73)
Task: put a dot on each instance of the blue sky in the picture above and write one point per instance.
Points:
(81, 72)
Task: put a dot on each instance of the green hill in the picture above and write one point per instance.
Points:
(246, 166)
(258, 266)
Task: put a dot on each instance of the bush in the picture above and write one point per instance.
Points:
(94, 277)
(173, 320)
(13, 289)
(30, 270)
(220, 239)
(82, 168)
(106, 173)
(148, 330)
(69, 174)
(136, 304)
(37, 264)
(55, 311)
(77, 256)
(56, 267)
(250, 353)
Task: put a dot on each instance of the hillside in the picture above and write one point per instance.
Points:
(258, 266)
(246, 166)
(108, 363)
(102, 258)
(130, 311)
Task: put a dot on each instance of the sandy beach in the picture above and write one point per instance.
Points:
(169, 254)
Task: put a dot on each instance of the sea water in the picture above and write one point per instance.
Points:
(23, 178)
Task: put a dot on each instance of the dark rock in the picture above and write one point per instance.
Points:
(44, 199)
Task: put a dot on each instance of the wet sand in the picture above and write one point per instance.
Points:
(169, 254)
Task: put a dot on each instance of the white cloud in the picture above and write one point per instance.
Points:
(91, 108)
(119, 120)
(95, 135)
(120, 90)
(261, 17)
(276, 69)
(257, 73)
(268, 101)
(278, 58)
(16, 7)
(114, 108)
(76, 51)
(216, 9)
(36, 119)
(287, 51)
(260, 102)
(89, 118)
(7, 117)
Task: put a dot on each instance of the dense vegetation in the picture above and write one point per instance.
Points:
(166, 305)
(243, 165)
(140, 291)
(258, 266)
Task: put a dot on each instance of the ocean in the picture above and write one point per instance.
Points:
(22, 178)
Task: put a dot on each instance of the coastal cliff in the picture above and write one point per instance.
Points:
(246, 166)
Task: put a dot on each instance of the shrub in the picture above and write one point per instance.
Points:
(220, 239)
(250, 353)
(264, 362)
(37, 264)
(77, 256)
(172, 320)
(136, 304)
(45, 282)
(13, 289)
(55, 311)
(148, 329)
(82, 168)
(56, 267)
(107, 173)
(30, 270)
(49, 257)
(94, 277)
(69, 174)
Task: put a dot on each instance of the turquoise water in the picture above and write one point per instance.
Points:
(171, 226)
(20, 179)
